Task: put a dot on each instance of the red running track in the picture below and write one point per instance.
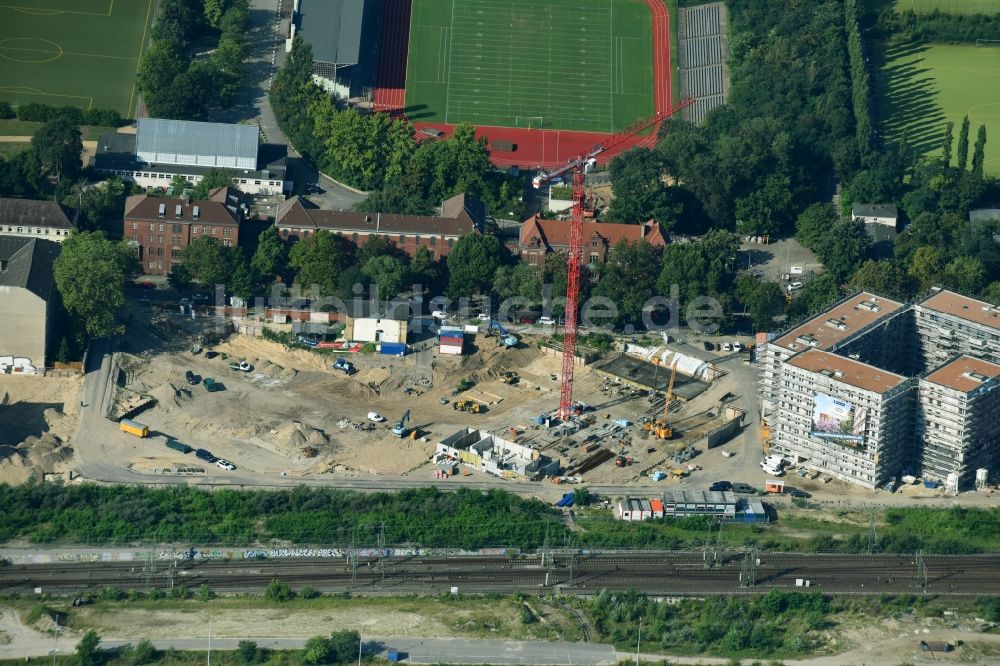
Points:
(535, 148)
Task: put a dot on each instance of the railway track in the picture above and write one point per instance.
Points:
(661, 574)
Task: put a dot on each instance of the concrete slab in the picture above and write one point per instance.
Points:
(646, 375)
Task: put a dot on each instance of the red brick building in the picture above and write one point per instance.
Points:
(540, 237)
(459, 216)
(162, 227)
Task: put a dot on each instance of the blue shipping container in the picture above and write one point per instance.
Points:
(393, 348)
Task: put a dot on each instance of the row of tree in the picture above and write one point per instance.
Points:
(379, 153)
(861, 95)
(938, 26)
(175, 82)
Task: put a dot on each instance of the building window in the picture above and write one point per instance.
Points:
(402, 238)
(243, 181)
(451, 242)
(354, 237)
(433, 241)
(152, 265)
(593, 257)
(195, 229)
(152, 227)
(227, 243)
(256, 182)
(175, 252)
(191, 178)
(135, 225)
(593, 243)
(178, 228)
(159, 251)
(159, 239)
(134, 238)
(159, 265)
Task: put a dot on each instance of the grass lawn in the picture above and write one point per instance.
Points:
(8, 148)
(949, 6)
(28, 128)
(72, 52)
(924, 86)
(562, 64)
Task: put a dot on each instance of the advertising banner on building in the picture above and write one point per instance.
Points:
(838, 420)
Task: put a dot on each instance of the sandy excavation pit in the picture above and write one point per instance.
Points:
(38, 417)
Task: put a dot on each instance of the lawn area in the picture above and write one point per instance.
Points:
(28, 128)
(10, 148)
(949, 6)
(73, 52)
(563, 64)
(924, 86)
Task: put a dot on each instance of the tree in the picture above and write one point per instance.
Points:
(248, 651)
(178, 184)
(213, 12)
(99, 203)
(318, 651)
(193, 92)
(88, 651)
(423, 267)
(814, 224)
(229, 61)
(472, 263)
(926, 266)
(388, 273)
(817, 294)
(210, 262)
(763, 300)
(292, 94)
(881, 277)
(211, 180)
(90, 274)
(180, 277)
(58, 144)
(965, 274)
(378, 246)
(521, 279)
(946, 144)
(143, 653)
(270, 259)
(963, 145)
(159, 65)
(242, 283)
(639, 191)
(979, 152)
(844, 248)
(319, 259)
(176, 21)
(625, 279)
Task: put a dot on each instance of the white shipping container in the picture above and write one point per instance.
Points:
(451, 349)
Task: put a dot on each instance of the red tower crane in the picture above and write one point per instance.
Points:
(579, 165)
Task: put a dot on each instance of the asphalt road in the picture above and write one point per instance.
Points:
(675, 574)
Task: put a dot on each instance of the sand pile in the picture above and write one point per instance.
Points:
(46, 452)
(292, 437)
(170, 394)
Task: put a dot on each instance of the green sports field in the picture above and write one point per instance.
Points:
(582, 65)
(72, 52)
(928, 85)
(949, 6)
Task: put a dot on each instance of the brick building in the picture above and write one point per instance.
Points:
(160, 228)
(459, 216)
(540, 237)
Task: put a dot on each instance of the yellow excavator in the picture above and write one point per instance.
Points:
(659, 427)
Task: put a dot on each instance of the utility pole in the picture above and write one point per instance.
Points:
(921, 571)
(149, 570)
(638, 642)
(210, 641)
(381, 553)
(352, 563)
(361, 641)
(872, 536)
(748, 575)
(55, 643)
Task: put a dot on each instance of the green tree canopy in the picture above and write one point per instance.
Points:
(388, 273)
(211, 180)
(270, 259)
(640, 192)
(58, 144)
(159, 65)
(90, 274)
(625, 279)
(319, 260)
(472, 264)
(210, 262)
(88, 651)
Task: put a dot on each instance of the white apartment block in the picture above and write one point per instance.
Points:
(958, 419)
(843, 417)
(26, 218)
(949, 324)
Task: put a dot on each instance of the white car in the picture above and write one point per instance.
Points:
(727, 346)
(546, 321)
(482, 316)
(439, 314)
(737, 346)
(375, 417)
(794, 286)
(226, 465)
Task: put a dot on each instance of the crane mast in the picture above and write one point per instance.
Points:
(578, 165)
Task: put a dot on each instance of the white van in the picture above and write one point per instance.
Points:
(794, 286)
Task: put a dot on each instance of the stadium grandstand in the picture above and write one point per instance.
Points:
(344, 39)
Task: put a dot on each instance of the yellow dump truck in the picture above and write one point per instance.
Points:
(134, 427)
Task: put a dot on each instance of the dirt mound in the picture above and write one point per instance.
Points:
(170, 394)
(295, 435)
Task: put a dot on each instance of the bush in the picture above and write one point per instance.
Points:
(34, 112)
(143, 653)
(42, 113)
(102, 117)
(248, 651)
(205, 593)
(7, 111)
(278, 591)
(309, 592)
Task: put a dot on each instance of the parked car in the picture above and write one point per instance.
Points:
(439, 314)
(242, 366)
(727, 347)
(721, 485)
(192, 378)
(709, 346)
(744, 488)
(527, 320)
(794, 286)
(205, 455)
(482, 316)
(798, 494)
(200, 298)
(375, 417)
(737, 346)
(546, 321)
(225, 464)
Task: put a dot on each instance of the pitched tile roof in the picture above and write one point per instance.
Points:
(297, 213)
(555, 233)
(212, 211)
(36, 213)
(27, 263)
